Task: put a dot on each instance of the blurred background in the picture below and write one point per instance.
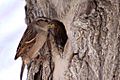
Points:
(12, 27)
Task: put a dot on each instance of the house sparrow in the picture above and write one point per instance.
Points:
(32, 41)
(35, 37)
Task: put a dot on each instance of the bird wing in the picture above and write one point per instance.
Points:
(32, 40)
(41, 38)
(27, 41)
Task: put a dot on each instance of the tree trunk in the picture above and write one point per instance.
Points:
(93, 46)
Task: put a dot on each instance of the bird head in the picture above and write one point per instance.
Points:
(41, 23)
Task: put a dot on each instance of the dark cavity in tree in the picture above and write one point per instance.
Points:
(59, 33)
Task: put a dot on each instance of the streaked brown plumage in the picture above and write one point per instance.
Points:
(36, 35)
(33, 39)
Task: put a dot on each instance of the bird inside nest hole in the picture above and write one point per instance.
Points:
(35, 37)
(57, 29)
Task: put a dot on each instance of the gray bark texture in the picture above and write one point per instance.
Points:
(92, 51)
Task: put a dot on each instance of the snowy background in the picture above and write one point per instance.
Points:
(12, 26)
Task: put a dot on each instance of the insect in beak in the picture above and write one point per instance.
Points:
(51, 28)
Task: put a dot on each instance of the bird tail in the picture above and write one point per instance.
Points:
(22, 70)
(16, 56)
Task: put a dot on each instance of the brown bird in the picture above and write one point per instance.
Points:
(33, 39)
(57, 29)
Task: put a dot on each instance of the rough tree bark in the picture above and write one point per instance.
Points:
(93, 46)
